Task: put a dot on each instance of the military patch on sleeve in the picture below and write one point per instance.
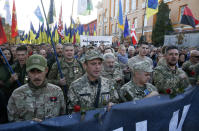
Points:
(53, 99)
(146, 92)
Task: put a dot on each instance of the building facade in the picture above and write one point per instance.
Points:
(91, 25)
(107, 16)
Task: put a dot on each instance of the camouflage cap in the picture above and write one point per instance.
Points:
(140, 66)
(93, 54)
(36, 61)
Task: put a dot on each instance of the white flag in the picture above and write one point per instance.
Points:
(8, 15)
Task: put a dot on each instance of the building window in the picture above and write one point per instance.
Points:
(135, 23)
(116, 7)
(116, 28)
(145, 20)
(105, 3)
(112, 8)
(112, 28)
(129, 23)
(165, 1)
(181, 11)
(99, 18)
(134, 5)
(127, 6)
(105, 30)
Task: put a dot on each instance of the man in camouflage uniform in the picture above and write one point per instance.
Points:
(92, 90)
(109, 71)
(142, 56)
(37, 99)
(188, 66)
(170, 76)
(138, 88)
(52, 59)
(71, 69)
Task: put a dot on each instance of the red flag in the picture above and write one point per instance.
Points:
(133, 35)
(60, 29)
(3, 38)
(14, 29)
(188, 18)
(74, 38)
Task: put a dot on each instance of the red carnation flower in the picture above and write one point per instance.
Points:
(168, 91)
(192, 73)
(77, 108)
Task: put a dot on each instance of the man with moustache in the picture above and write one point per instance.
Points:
(110, 70)
(188, 66)
(139, 86)
(52, 59)
(38, 99)
(92, 90)
(169, 76)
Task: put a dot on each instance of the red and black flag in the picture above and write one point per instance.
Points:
(188, 18)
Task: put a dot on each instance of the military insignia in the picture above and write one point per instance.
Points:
(76, 70)
(53, 99)
(146, 92)
(105, 98)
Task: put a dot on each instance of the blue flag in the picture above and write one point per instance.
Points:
(38, 14)
(32, 28)
(120, 14)
(126, 28)
(153, 4)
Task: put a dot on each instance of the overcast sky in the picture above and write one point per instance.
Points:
(25, 12)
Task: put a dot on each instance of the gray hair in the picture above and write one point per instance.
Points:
(131, 47)
(108, 55)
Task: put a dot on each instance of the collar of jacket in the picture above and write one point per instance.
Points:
(32, 86)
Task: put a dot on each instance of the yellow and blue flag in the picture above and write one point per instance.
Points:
(120, 19)
(94, 32)
(152, 7)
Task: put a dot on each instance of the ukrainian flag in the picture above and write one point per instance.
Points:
(152, 8)
(120, 14)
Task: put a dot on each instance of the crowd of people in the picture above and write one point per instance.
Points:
(88, 77)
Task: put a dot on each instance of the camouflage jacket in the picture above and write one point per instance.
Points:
(162, 62)
(188, 67)
(164, 78)
(130, 91)
(21, 72)
(113, 76)
(27, 103)
(137, 58)
(71, 71)
(83, 93)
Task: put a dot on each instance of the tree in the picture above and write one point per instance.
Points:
(163, 25)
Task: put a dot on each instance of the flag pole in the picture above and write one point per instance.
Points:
(142, 36)
(55, 53)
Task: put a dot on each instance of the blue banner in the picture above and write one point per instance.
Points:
(159, 113)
